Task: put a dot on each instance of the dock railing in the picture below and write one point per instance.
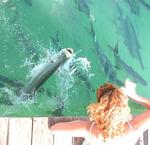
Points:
(35, 131)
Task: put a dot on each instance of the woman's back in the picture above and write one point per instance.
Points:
(130, 138)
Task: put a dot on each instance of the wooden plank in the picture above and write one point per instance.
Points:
(62, 140)
(145, 137)
(149, 136)
(27, 131)
(3, 131)
(20, 131)
(41, 134)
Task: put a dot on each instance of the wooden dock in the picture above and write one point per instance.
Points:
(35, 131)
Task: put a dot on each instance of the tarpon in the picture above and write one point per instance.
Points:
(134, 6)
(107, 65)
(55, 42)
(10, 82)
(92, 32)
(145, 4)
(2, 85)
(44, 73)
(83, 76)
(121, 64)
(83, 7)
(129, 35)
(28, 89)
(28, 2)
(105, 62)
(5, 82)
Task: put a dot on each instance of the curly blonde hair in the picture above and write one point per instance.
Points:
(110, 112)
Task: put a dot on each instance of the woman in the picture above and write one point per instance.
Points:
(110, 119)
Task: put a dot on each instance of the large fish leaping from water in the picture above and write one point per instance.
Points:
(44, 73)
(36, 81)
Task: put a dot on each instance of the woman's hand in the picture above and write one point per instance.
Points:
(130, 89)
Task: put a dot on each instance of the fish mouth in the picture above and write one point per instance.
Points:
(68, 52)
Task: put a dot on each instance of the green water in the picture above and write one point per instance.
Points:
(30, 29)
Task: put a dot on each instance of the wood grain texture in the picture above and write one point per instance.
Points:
(3, 131)
(35, 131)
(41, 134)
(20, 131)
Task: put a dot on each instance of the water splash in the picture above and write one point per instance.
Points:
(66, 77)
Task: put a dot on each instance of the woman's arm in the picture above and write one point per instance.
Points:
(140, 122)
(141, 100)
(73, 128)
(130, 91)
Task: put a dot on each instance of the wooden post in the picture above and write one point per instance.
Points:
(149, 135)
(20, 131)
(41, 133)
(3, 131)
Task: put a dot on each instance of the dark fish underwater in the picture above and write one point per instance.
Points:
(120, 64)
(129, 35)
(107, 66)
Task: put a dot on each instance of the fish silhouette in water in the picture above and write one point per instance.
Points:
(130, 37)
(28, 2)
(2, 85)
(85, 79)
(83, 76)
(83, 6)
(92, 32)
(107, 66)
(105, 62)
(55, 42)
(127, 68)
(145, 4)
(134, 6)
(7, 81)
